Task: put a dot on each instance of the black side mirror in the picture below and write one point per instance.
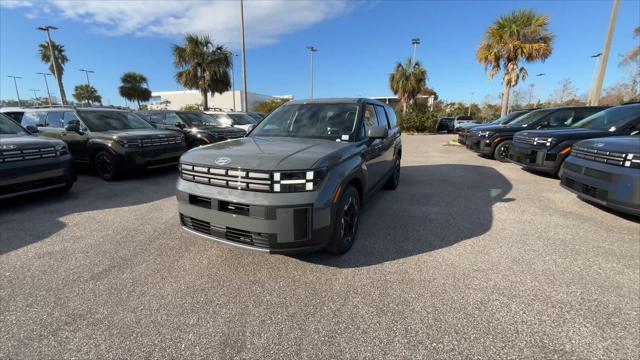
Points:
(75, 127)
(32, 129)
(180, 126)
(377, 132)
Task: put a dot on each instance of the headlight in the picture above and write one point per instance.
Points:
(296, 181)
(632, 160)
(486, 133)
(130, 143)
(62, 149)
(544, 141)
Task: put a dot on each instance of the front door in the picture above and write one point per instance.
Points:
(374, 158)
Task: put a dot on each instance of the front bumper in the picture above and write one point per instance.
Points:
(534, 158)
(462, 138)
(270, 222)
(479, 144)
(28, 176)
(613, 186)
(153, 157)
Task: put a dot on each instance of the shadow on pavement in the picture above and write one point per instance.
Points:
(434, 207)
(28, 219)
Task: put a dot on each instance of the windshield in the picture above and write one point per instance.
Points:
(196, 119)
(9, 127)
(242, 119)
(327, 121)
(529, 118)
(610, 119)
(509, 118)
(112, 120)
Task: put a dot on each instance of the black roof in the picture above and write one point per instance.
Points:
(335, 101)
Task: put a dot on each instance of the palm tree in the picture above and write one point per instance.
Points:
(407, 81)
(61, 61)
(202, 66)
(86, 93)
(519, 36)
(133, 88)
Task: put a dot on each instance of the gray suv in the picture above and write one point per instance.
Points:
(297, 182)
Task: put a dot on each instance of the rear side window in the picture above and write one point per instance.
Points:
(54, 120)
(33, 118)
(382, 117)
(15, 115)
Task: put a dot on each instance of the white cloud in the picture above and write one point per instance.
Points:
(265, 20)
(15, 3)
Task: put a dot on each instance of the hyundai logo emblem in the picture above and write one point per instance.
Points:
(598, 145)
(222, 161)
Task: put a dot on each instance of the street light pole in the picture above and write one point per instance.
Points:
(415, 42)
(35, 96)
(470, 102)
(86, 72)
(244, 66)
(596, 57)
(311, 51)
(46, 84)
(56, 72)
(605, 54)
(16, 85)
(233, 78)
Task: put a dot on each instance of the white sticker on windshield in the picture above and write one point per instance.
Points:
(345, 137)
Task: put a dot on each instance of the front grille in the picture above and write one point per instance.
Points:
(231, 234)
(229, 178)
(589, 190)
(27, 154)
(523, 140)
(26, 186)
(573, 167)
(606, 157)
(161, 141)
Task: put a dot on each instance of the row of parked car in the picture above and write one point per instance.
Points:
(594, 150)
(39, 147)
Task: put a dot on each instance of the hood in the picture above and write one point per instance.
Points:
(565, 133)
(26, 142)
(499, 128)
(268, 153)
(135, 134)
(619, 144)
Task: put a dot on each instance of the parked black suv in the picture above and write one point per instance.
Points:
(198, 128)
(30, 163)
(297, 182)
(113, 141)
(605, 171)
(545, 150)
(495, 141)
(504, 120)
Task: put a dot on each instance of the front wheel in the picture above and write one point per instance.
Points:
(501, 153)
(106, 166)
(345, 226)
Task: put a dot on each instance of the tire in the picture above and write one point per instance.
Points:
(394, 179)
(502, 151)
(106, 166)
(347, 213)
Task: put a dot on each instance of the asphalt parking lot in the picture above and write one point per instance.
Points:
(469, 258)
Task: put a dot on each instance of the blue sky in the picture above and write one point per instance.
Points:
(358, 42)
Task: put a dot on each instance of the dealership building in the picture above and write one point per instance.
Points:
(228, 101)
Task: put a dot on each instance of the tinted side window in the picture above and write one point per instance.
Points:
(156, 118)
(54, 119)
(583, 113)
(17, 116)
(382, 117)
(34, 118)
(172, 119)
(391, 115)
(561, 118)
(69, 116)
(369, 118)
